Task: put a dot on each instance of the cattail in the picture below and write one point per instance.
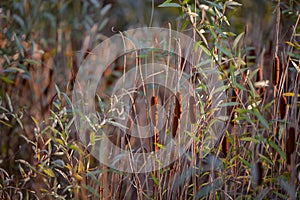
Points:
(260, 73)
(154, 110)
(257, 173)
(282, 106)
(225, 146)
(277, 71)
(175, 126)
(155, 139)
(177, 109)
(154, 118)
(192, 109)
(260, 173)
(290, 144)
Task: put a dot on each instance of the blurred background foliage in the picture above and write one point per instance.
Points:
(42, 44)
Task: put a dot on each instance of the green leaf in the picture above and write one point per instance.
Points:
(93, 174)
(237, 39)
(92, 190)
(260, 118)
(159, 145)
(6, 80)
(250, 139)
(22, 171)
(31, 61)
(206, 50)
(6, 124)
(14, 69)
(184, 25)
(19, 20)
(252, 74)
(156, 181)
(239, 86)
(228, 104)
(105, 9)
(76, 148)
(19, 45)
(264, 158)
(59, 163)
(116, 124)
(170, 5)
(205, 62)
(59, 141)
(224, 50)
(231, 4)
(245, 162)
(9, 103)
(218, 6)
(49, 172)
(296, 45)
(277, 148)
(92, 138)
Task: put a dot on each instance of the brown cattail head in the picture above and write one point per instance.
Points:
(225, 145)
(175, 126)
(290, 144)
(154, 110)
(260, 173)
(177, 109)
(155, 139)
(257, 173)
(276, 74)
(192, 109)
(282, 106)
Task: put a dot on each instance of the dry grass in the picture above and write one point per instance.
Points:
(256, 156)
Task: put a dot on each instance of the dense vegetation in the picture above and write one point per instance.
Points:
(255, 45)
